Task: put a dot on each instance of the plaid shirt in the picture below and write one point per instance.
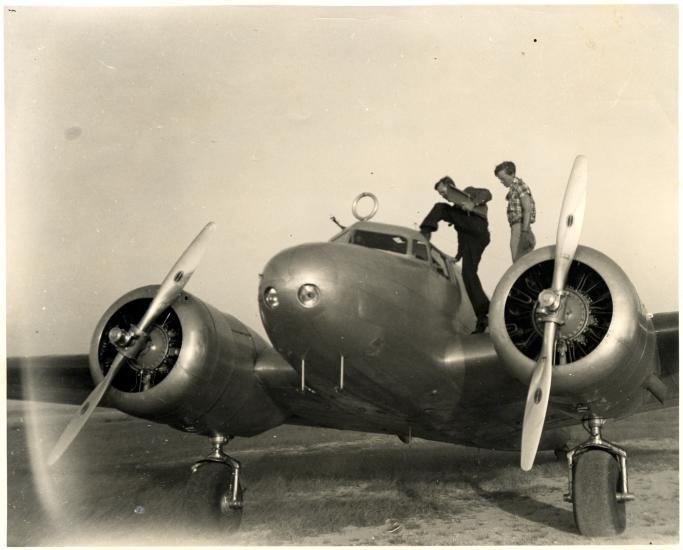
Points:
(514, 198)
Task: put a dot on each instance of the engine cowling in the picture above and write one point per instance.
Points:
(196, 372)
(606, 348)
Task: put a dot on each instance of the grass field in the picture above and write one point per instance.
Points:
(122, 484)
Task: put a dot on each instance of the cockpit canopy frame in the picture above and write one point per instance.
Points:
(395, 239)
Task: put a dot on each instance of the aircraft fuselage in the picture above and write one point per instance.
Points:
(385, 338)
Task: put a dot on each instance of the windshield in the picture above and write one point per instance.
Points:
(380, 241)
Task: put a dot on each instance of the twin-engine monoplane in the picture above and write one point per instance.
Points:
(370, 331)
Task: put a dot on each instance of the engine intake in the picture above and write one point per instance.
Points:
(155, 361)
(606, 347)
(588, 305)
(196, 372)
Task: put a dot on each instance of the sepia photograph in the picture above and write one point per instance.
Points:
(353, 275)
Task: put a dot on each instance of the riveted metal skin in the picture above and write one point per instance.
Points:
(212, 386)
(606, 381)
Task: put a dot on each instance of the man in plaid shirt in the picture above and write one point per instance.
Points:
(521, 210)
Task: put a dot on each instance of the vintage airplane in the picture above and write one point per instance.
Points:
(370, 331)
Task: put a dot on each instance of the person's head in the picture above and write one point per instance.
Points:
(505, 172)
(443, 184)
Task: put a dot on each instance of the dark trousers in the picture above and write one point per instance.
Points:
(473, 238)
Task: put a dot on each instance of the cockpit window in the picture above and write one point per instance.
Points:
(439, 262)
(380, 241)
(420, 251)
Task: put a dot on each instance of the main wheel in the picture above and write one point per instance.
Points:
(207, 496)
(596, 481)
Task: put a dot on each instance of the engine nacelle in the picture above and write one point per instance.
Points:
(196, 372)
(607, 346)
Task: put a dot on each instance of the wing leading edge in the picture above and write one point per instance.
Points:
(52, 378)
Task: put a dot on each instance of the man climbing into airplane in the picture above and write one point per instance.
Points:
(468, 216)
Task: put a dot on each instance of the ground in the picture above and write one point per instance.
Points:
(122, 482)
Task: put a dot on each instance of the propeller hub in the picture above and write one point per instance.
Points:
(549, 300)
(572, 319)
(153, 352)
(119, 337)
(156, 350)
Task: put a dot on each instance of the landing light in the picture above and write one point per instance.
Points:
(309, 295)
(271, 298)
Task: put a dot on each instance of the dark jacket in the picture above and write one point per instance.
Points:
(478, 195)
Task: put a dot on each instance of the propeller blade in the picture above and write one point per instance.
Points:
(568, 233)
(177, 277)
(169, 290)
(537, 399)
(571, 221)
(77, 422)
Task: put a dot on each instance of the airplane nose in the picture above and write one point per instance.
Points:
(317, 296)
(298, 280)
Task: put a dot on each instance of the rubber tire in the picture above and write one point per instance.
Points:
(596, 480)
(204, 506)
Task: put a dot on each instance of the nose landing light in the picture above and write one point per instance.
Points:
(308, 295)
(271, 298)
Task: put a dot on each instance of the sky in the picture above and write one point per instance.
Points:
(128, 129)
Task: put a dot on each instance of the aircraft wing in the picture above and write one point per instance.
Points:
(53, 378)
(67, 379)
(666, 327)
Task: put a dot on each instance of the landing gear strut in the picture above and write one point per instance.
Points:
(598, 484)
(213, 494)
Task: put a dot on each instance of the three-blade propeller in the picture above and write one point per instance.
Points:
(168, 292)
(551, 302)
